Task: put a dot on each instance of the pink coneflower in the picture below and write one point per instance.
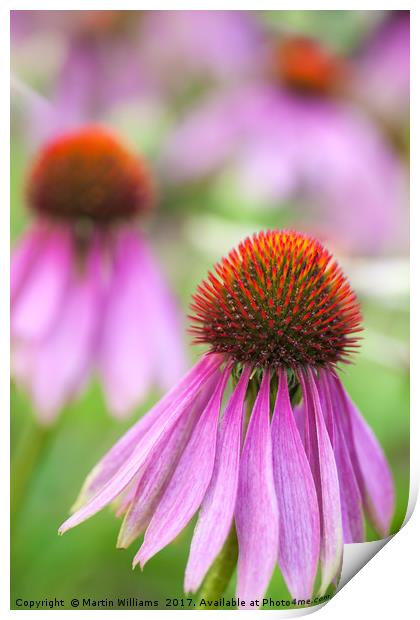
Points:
(294, 136)
(113, 57)
(86, 292)
(278, 316)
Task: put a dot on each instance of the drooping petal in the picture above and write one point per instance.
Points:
(39, 300)
(164, 321)
(256, 512)
(23, 257)
(159, 429)
(161, 464)
(218, 506)
(350, 496)
(62, 359)
(325, 475)
(375, 477)
(120, 452)
(189, 482)
(127, 352)
(299, 527)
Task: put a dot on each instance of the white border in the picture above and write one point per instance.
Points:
(389, 583)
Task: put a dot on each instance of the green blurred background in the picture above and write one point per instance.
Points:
(192, 229)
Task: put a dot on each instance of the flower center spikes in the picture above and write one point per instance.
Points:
(278, 300)
(305, 66)
(89, 173)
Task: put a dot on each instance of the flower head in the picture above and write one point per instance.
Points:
(279, 300)
(295, 137)
(86, 293)
(294, 480)
(304, 65)
(89, 173)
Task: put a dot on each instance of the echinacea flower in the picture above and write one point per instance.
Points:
(113, 57)
(278, 316)
(86, 292)
(293, 135)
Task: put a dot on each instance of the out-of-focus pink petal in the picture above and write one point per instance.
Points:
(157, 431)
(216, 514)
(158, 471)
(39, 300)
(127, 352)
(62, 359)
(324, 470)
(23, 257)
(189, 482)
(256, 512)
(386, 53)
(299, 527)
(164, 321)
(217, 45)
(120, 452)
(374, 475)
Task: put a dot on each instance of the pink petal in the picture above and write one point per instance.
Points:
(350, 496)
(164, 322)
(127, 353)
(39, 300)
(189, 482)
(61, 361)
(158, 471)
(218, 506)
(23, 257)
(256, 512)
(325, 475)
(108, 466)
(299, 530)
(158, 430)
(375, 477)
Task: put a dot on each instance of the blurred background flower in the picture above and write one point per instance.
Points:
(86, 294)
(330, 160)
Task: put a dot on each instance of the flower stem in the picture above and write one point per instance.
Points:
(24, 465)
(220, 573)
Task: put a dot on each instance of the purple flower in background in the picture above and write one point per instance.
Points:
(112, 57)
(86, 293)
(278, 316)
(382, 75)
(289, 136)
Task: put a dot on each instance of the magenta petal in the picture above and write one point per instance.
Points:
(39, 300)
(216, 514)
(377, 482)
(189, 482)
(350, 496)
(23, 257)
(150, 487)
(126, 355)
(120, 452)
(299, 528)
(256, 512)
(164, 322)
(325, 475)
(158, 430)
(62, 360)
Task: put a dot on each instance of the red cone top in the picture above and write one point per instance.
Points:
(278, 300)
(89, 173)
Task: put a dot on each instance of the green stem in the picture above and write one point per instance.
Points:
(220, 573)
(25, 464)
